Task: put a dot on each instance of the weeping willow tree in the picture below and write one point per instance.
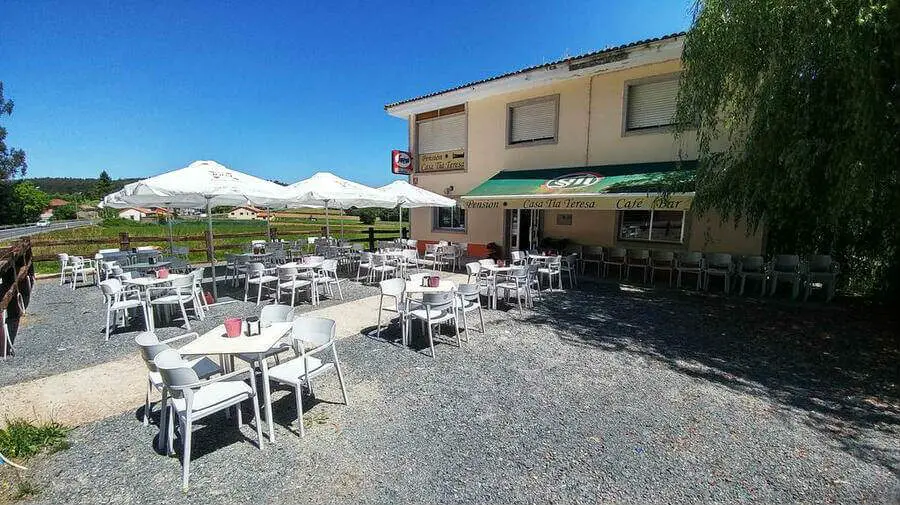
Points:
(795, 105)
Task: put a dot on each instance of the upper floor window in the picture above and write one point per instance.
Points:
(534, 121)
(441, 140)
(650, 104)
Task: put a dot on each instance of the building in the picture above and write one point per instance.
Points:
(576, 149)
(51, 207)
(246, 212)
(135, 213)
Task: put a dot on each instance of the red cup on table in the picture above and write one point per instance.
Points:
(233, 327)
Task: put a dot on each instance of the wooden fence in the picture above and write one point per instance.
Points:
(125, 241)
(17, 276)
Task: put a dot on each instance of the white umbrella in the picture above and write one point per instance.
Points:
(326, 190)
(202, 183)
(410, 197)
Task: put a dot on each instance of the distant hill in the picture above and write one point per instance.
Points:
(72, 185)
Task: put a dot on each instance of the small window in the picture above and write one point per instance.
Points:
(652, 225)
(449, 218)
(650, 105)
(533, 121)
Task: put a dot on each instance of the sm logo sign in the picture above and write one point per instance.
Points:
(573, 181)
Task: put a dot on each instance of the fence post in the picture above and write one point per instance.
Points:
(124, 241)
(273, 234)
(371, 238)
(404, 232)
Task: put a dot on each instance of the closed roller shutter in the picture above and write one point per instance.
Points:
(442, 134)
(533, 121)
(651, 104)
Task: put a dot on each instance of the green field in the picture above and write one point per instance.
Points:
(288, 228)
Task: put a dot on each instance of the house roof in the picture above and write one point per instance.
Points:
(552, 64)
(139, 209)
(57, 202)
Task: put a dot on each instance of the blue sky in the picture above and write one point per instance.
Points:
(280, 89)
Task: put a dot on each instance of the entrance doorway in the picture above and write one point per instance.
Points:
(523, 230)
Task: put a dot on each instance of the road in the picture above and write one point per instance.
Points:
(26, 231)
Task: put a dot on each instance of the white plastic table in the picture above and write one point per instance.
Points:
(417, 288)
(146, 282)
(216, 342)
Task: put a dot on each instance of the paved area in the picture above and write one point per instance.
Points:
(603, 395)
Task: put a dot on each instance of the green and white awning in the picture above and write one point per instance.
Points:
(602, 187)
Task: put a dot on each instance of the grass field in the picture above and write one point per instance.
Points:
(288, 226)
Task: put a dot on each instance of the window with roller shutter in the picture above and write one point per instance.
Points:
(650, 104)
(442, 134)
(533, 122)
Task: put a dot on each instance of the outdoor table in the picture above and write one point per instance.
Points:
(216, 342)
(445, 286)
(539, 257)
(496, 271)
(144, 266)
(142, 283)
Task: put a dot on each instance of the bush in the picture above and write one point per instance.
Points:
(367, 216)
(67, 211)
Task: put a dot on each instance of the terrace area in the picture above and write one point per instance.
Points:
(602, 392)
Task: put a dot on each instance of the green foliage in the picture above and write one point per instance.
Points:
(68, 187)
(29, 200)
(67, 211)
(367, 216)
(22, 439)
(12, 161)
(104, 185)
(794, 107)
(24, 489)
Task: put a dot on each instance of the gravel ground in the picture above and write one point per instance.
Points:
(64, 330)
(646, 398)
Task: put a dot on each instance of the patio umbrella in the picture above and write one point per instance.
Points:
(326, 190)
(410, 197)
(200, 184)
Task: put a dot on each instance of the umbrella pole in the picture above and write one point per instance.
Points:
(327, 225)
(400, 219)
(268, 224)
(169, 221)
(342, 223)
(210, 250)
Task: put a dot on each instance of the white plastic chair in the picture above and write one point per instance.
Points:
(394, 289)
(190, 399)
(381, 266)
(516, 282)
(329, 278)
(569, 268)
(258, 274)
(821, 269)
(592, 255)
(289, 281)
(553, 268)
(318, 333)
(65, 268)
(469, 300)
(180, 292)
(473, 269)
(269, 314)
(752, 267)
(615, 257)
(84, 267)
(786, 268)
(119, 300)
(518, 258)
(691, 263)
(365, 263)
(719, 265)
(662, 261)
(150, 346)
(437, 308)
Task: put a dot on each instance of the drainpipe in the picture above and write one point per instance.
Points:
(587, 147)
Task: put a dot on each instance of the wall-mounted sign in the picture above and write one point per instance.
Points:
(605, 202)
(442, 162)
(401, 162)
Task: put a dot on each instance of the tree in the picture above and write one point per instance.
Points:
(796, 111)
(30, 201)
(67, 211)
(367, 216)
(104, 185)
(12, 161)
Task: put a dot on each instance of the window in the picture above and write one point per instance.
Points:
(650, 104)
(449, 218)
(652, 225)
(533, 121)
(442, 134)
